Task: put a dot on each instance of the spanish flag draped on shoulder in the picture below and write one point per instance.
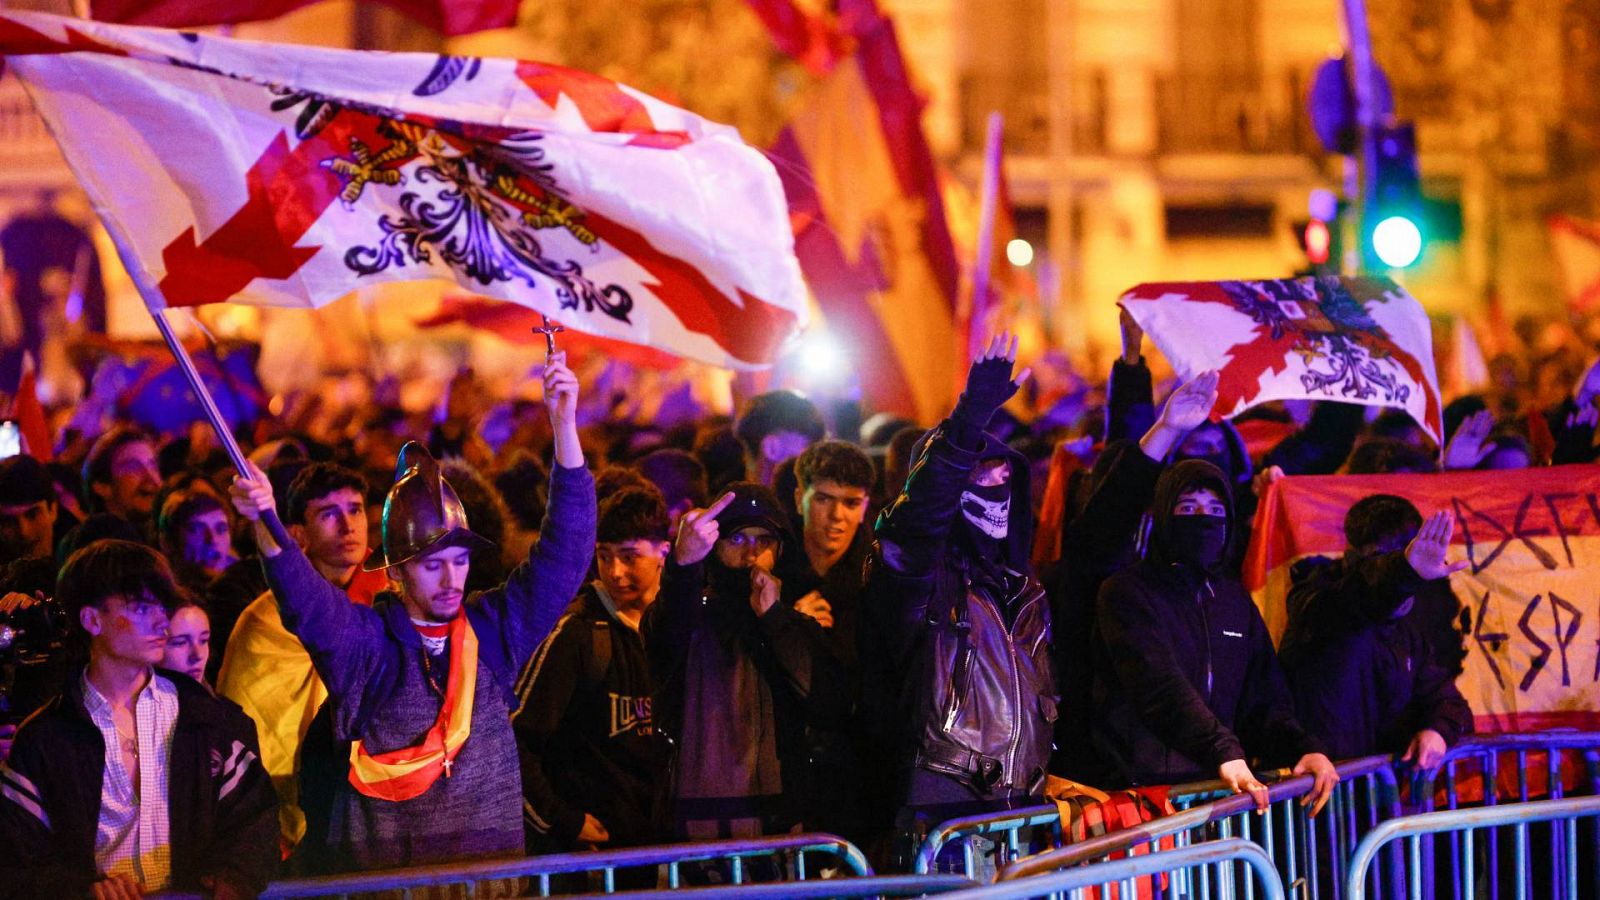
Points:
(289, 176)
(1531, 594)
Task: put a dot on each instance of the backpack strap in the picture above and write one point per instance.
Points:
(599, 662)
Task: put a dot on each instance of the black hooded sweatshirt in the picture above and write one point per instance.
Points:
(1186, 678)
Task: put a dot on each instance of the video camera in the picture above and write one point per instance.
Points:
(32, 657)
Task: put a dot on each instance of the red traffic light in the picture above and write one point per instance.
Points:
(1318, 242)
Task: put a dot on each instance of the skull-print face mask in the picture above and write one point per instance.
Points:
(988, 508)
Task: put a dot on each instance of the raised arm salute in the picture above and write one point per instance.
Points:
(427, 660)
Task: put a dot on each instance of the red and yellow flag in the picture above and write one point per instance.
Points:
(409, 771)
(867, 209)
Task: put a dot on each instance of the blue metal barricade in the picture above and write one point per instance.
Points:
(1563, 816)
(830, 888)
(1305, 859)
(1019, 832)
(1211, 869)
(1486, 756)
(796, 856)
(1487, 759)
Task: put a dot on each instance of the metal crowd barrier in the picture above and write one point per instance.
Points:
(1486, 752)
(1211, 869)
(1038, 828)
(1365, 795)
(1563, 816)
(792, 851)
(825, 889)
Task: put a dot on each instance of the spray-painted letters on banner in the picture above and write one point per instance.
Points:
(1531, 594)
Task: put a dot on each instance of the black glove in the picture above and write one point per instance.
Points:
(989, 386)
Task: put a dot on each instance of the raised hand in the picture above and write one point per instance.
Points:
(1321, 768)
(252, 496)
(1466, 447)
(1426, 552)
(560, 390)
(1132, 338)
(1588, 387)
(989, 381)
(698, 532)
(1188, 407)
(561, 403)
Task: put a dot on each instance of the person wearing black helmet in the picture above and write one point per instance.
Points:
(1187, 685)
(423, 682)
(741, 677)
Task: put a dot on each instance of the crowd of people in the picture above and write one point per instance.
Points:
(372, 652)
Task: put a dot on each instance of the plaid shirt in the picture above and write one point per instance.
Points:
(133, 837)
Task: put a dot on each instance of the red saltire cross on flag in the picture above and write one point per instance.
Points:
(450, 17)
(1354, 340)
(289, 176)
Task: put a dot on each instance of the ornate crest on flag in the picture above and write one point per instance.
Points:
(1354, 340)
(290, 176)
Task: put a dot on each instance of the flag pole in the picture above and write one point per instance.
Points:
(985, 248)
(157, 304)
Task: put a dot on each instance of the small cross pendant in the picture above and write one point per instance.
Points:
(448, 764)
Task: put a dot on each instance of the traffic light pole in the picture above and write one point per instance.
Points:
(1364, 85)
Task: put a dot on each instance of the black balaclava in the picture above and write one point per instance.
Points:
(1200, 541)
(1197, 542)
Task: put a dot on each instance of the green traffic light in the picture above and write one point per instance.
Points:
(1397, 241)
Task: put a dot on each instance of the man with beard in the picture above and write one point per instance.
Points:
(740, 675)
(1187, 684)
(955, 631)
(423, 682)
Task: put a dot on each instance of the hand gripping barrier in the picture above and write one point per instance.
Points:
(1365, 795)
(793, 850)
(1563, 816)
(1203, 870)
(1482, 756)
(1475, 773)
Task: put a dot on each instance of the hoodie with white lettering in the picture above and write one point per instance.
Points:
(585, 736)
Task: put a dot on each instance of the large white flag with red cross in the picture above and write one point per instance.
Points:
(1353, 340)
(289, 176)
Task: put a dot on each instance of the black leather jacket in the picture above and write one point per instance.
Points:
(959, 677)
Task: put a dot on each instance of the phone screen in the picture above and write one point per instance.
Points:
(10, 439)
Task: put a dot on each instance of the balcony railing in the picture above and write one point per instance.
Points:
(1192, 113)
